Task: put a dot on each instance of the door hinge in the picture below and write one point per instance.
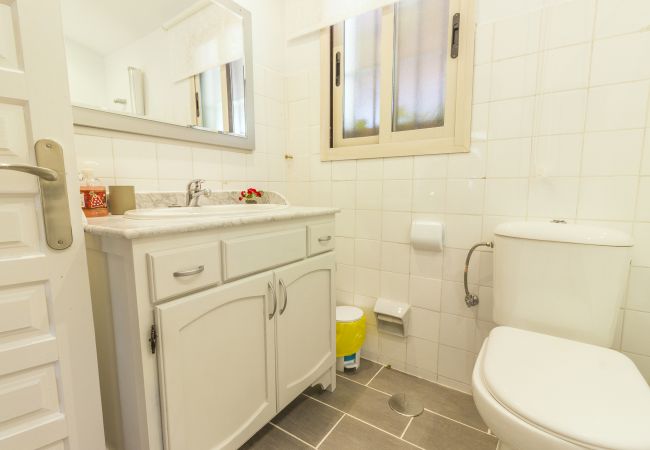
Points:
(455, 35)
(153, 338)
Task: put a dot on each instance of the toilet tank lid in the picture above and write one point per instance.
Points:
(565, 232)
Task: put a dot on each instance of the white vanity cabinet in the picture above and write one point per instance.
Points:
(241, 321)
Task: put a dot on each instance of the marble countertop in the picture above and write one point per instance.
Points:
(119, 226)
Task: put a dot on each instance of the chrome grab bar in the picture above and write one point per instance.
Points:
(472, 299)
(284, 294)
(275, 299)
(187, 273)
(41, 172)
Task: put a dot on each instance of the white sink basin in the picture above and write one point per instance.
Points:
(186, 212)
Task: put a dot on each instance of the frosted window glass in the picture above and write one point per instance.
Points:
(361, 75)
(421, 28)
(211, 101)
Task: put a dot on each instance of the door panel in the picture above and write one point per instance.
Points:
(49, 386)
(306, 327)
(217, 365)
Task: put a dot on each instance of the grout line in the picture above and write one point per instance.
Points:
(407, 427)
(291, 434)
(366, 386)
(457, 421)
(330, 431)
(373, 377)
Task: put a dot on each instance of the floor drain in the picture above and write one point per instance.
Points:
(405, 405)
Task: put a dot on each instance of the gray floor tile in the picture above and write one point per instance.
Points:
(437, 433)
(365, 372)
(270, 438)
(307, 419)
(351, 434)
(448, 402)
(364, 403)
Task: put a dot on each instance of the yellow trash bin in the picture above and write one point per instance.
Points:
(350, 334)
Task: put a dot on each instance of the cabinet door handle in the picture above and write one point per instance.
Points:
(324, 238)
(275, 299)
(284, 294)
(187, 273)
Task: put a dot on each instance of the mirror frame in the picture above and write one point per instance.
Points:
(115, 121)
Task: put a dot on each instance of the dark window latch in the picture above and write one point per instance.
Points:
(153, 338)
(337, 70)
(455, 35)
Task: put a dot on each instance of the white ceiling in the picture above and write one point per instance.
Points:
(107, 25)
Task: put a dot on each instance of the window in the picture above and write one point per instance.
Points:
(398, 81)
(218, 98)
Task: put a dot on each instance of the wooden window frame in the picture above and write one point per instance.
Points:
(453, 137)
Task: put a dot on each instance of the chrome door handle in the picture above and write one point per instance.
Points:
(187, 273)
(41, 172)
(284, 294)
(324, 238)
(271, 288)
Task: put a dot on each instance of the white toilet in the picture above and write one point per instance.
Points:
(545, 379)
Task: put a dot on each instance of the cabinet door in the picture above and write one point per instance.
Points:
(306, 324)
(216, 364)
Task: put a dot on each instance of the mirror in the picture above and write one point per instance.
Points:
(179, 69)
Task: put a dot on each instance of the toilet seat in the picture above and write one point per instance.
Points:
(552, 389)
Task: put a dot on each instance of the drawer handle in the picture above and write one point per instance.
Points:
(275, 299)
(188, 273)
(284, 295)
(324, 238)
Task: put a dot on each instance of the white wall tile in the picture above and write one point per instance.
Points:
(508, 158)
(454, 263)
(95, 149)
(398, 168)
(621, 106)
(396, 227)
(506, 196)
(345, 278)
(429, 195)
(645, 163)
(516, 36)
(206, 164)
(457, 331)
(395, 257)
(636, 333)
(621, 16)
(344, 170)
(426, 263)
(568, 22)
(174, 162)
(397, 195)
(638, 290)
(424, 324)
(514, 77)
(482, 82)
(643, 201)
(370, 169)
(483, 43)
(561, 113)
(135, 159)
(641, 249)
(345, 250)
(369, 194)
(455, 364)
(343, 194)
(464, 196)
(617, 59)
(394, 286)
(430, 166)
(367, 253)
(422, 354)
(368, 224)
(468, 165)
(344, 222)
(642, 363)
(425, 292)
(607, 198)
(612, 153)
(462, 231)
(556, 156)
(565, 68)
(555, 197)
(452, 299)
(392, 350)
(511, 118)
(366, 281)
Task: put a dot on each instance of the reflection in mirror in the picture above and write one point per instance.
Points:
(180, 62)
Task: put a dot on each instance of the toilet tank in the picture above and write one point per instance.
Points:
(561, 279)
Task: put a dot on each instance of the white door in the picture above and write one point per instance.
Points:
(217, 364)
(306, 324)
(49, 387)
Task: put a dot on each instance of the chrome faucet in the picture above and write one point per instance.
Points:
(194, 191)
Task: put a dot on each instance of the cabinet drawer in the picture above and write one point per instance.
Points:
(181, 270)
(320, 237)
(250, 254)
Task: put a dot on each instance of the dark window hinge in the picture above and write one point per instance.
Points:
(337, 70)
(197, 105)
(153, 338)
(455, 35)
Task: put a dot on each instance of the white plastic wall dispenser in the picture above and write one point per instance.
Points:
(392, 317)
(427, 235)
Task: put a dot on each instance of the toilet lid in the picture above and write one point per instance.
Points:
(583, 393)
(348, 313)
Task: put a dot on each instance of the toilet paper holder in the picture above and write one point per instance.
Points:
(472, 299)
